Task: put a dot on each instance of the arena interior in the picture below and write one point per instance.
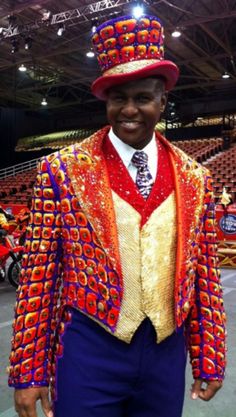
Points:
(46, 68)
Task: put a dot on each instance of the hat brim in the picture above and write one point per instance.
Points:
(166, 69)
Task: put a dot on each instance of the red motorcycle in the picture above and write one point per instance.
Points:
(10, 250)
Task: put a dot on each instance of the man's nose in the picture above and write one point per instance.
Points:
(129, 108)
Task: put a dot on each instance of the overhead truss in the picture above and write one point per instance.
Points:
(81, 14)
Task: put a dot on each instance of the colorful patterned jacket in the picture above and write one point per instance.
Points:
(72, 259)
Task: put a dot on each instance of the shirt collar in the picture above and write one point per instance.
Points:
(126, 152)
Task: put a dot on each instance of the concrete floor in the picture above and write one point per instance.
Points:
(223, 405)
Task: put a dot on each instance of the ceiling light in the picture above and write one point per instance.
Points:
(22, 68)
(28, 43)
(61, 30)
(137, 11)
(90, 54)
(44, 102)
(176, 33)
(94, 25)
(225, 75)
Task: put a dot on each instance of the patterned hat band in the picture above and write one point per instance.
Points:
(129, 67)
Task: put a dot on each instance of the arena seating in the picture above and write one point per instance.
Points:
(17, 189)
(220, 162)
(223, 170)
(201, 149)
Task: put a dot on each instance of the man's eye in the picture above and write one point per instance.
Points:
(117, 99)
(143, 99)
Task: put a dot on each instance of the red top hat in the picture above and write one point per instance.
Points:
(127, 49)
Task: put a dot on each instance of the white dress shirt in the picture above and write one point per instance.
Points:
(126, 152)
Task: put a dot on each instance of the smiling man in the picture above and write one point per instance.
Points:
(134, 109)
(120, 274)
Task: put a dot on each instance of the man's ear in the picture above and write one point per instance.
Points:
(164, 98)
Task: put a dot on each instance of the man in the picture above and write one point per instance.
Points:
(7, 221)
(7, 226)
(120, 272)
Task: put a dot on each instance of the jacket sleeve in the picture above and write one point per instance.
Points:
(207, 319)
(38, 292)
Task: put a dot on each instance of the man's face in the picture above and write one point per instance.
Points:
(134, 108)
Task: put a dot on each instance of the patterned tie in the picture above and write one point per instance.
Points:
(144, 180)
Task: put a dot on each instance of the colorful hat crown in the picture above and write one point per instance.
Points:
(127, 43)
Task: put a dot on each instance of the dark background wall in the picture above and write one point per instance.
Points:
(18, 123)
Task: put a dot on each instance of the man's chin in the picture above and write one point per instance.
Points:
(131, 141)
(130, 136)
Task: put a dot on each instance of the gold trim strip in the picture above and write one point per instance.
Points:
(130, 66)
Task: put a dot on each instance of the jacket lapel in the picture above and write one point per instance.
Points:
(189, 187)
(88, 172)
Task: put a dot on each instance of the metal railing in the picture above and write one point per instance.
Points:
(19, 168)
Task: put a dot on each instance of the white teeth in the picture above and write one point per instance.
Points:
(130, 124)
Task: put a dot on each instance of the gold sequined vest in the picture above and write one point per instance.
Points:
(147, 245)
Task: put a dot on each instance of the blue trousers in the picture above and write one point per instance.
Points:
(102, 376)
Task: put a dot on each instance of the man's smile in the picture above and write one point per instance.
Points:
(130, 124)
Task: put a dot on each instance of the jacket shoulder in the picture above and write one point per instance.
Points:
(68, 152)
(87, 146)
(188, 163)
